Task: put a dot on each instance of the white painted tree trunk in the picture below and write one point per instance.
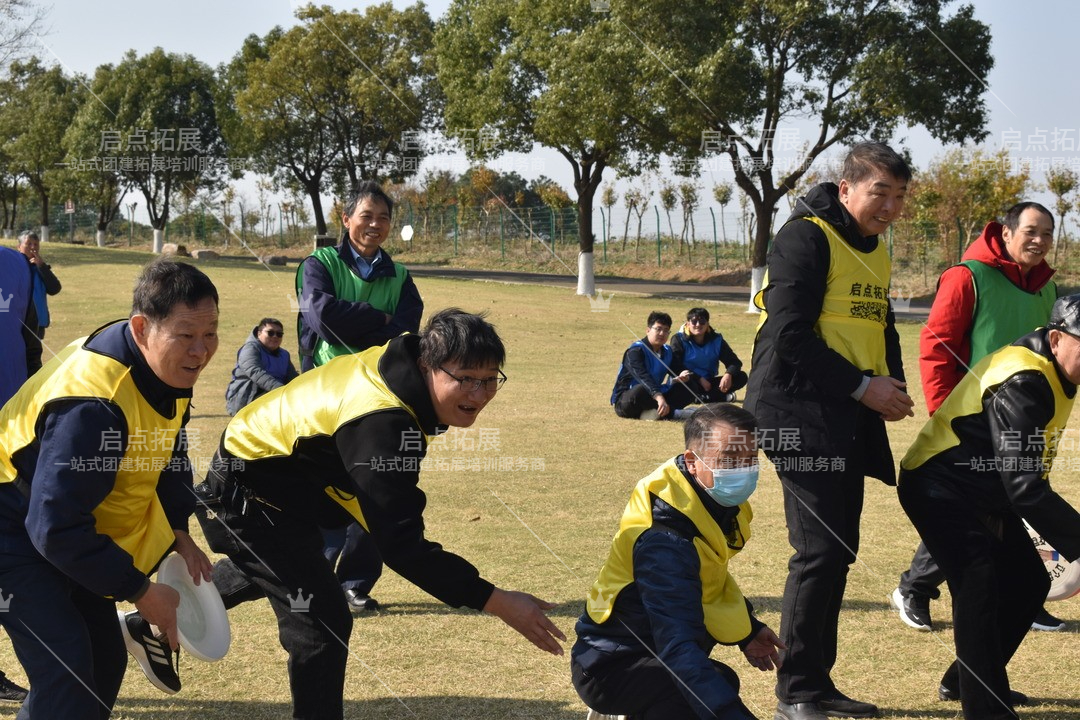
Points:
(586, 281)
(757, 276)
(44, 234)
(159, 240)
(100, 237)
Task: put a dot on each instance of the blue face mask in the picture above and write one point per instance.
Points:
(733, 486)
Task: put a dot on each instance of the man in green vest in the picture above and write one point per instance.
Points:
(826, 376)
(1001, 290)
(353, 297)
(341, 444)
(979, 466)
(665, 598)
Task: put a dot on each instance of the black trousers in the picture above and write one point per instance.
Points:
(822, 511)
(997, 582)
(273, 554)
(642, 688)
(690, 393)
(922, 579)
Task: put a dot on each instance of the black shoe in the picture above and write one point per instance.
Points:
(799, 711)
(360, 603)
(152, 654)
(1046, 622)
(914, 611)
(840, 705)
(947, 694)
(9, 691)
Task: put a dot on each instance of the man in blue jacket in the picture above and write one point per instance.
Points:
(664, 598)
(95, 489)
(354, 297)
(640, 389)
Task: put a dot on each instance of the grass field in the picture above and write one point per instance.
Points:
(532, 496)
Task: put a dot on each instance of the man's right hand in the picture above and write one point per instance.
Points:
(662, 407)
(887, 396)
(158, 607)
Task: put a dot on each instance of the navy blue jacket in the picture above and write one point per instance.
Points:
(660, 613)
(55, 520)
(356, 324)
(640, 366)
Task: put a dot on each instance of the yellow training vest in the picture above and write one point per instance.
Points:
(965, 400)
(131, 514)
(726, 616)
(315, 404)
(856, 302)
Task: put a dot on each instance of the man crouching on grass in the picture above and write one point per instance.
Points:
(664, 597)
(343, 443)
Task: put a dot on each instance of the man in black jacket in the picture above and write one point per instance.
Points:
(826, 374)
(979, 465)
(343, 443)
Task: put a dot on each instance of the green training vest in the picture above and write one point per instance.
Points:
(1003, 312)
(381, 293)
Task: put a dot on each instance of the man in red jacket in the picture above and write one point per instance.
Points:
(1000, 291)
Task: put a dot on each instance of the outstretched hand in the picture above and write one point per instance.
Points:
(525, 613)
(762, 650)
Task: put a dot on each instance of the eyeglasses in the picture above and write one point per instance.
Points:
(275, 333)
(660, 329)
(698, 321)
(471, 384)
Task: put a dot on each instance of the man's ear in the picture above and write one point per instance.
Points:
(140, 328)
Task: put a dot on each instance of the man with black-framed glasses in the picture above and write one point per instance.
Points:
(343, 443)
(640, 390)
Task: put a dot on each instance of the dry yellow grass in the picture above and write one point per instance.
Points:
(541, 530)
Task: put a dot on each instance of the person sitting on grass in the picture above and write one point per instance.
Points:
(664, 597)
(700, 349)
(640, 390)
(262, 365)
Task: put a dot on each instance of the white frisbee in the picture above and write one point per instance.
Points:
(1064, 575)
(406, 233)
(201, 620)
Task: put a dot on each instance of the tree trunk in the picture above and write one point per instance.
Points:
(99, 235)
(159, 240)
(316, 207)
(763, 234)
(43, 235)
(586, 284)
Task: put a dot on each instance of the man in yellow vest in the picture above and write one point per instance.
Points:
(343, 443)
(352, 297)
(95, 489)
(664, 598)
(826, 375)
(979, 465)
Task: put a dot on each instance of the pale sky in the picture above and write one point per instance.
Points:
(1032, 102)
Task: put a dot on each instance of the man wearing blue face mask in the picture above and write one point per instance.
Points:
(664, 597)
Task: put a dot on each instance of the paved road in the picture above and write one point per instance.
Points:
(650, 288)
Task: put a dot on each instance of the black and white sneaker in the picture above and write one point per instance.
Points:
(151, 652)
(9, 691)
(915, 612)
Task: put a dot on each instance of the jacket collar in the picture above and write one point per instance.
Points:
(400, 369)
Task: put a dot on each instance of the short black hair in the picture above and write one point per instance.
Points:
(1012, 215)
(656, 316)
(866, 158)
(268, 321)
(705, 418)
(163, 284)
(453, 334)
(701, 313)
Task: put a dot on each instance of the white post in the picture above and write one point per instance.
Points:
(757, 276)
(586, 281)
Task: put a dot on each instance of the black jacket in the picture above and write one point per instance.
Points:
(797, 382)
